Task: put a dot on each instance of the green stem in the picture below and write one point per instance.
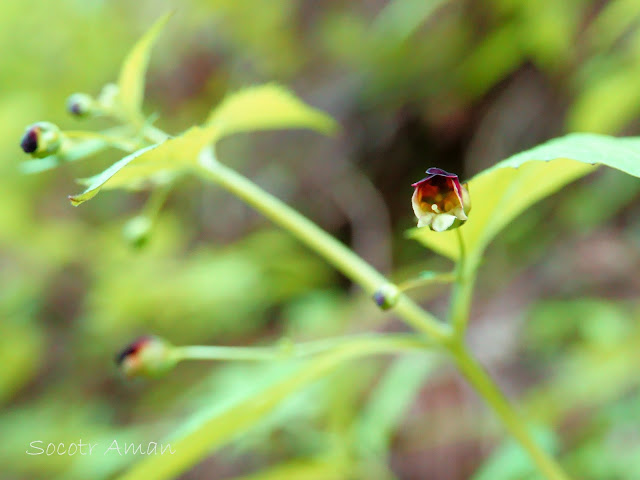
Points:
(156, 200)
(463, 289)
(317, 239)
(486, 387)
(286, 351)
(116, 142)
(367, 277)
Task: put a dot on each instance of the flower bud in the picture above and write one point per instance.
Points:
(136, 231)
(80, 104)
(148, 356)
(41, 139)
(439, 201)
(386, 296)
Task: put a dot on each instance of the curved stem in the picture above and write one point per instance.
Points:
(477, 376)
(320, 241)
(367, 277)
(156, 200)
(463, 289)
(121, 143)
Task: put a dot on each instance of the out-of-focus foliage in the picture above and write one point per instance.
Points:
(456, 84)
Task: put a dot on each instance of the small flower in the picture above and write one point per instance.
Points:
(41, 139)
(80, 104)
(439, 201)
(148, 356)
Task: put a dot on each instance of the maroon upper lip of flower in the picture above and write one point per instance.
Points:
(132, 349)
(446, 176)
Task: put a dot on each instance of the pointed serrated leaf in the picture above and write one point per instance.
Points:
(134, 68)
(502, 192)
(96, 183)
(156, 162)
(267, 107)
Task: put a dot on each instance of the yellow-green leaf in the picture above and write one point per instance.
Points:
(132, 75)
(316, 469)
(161, 161)
(267, 107)
(503, 191)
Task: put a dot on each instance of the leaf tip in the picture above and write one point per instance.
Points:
(75, 201)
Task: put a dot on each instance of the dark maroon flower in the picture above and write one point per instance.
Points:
(439, 201)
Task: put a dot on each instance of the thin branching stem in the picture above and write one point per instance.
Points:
(439, 334)
(466, 270)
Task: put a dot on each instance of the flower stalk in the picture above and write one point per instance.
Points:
(465, 277)
(444, 336)
(152, 357)
(286, 350)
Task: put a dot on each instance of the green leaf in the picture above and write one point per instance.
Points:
(212, 430)
(267, 107)
(502, 192)
(131, 80)
(156, 162)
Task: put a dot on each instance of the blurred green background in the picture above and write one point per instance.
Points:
(413, 83)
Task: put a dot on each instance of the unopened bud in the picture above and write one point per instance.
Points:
(148, 356)
(386, 296)
(80, 104)
(41, 139)
(136, 231)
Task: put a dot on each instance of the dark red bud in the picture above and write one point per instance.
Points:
(147, 356)
(30, 140)
(132, 349)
